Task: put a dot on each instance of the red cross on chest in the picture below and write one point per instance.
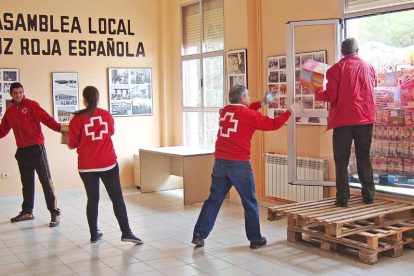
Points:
(228, 124)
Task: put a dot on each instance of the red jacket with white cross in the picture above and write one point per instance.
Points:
(91, 136)
(236, 127)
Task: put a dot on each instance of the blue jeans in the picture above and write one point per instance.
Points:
(227, 173)
(342, 142)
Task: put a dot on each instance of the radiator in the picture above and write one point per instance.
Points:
(276, 180)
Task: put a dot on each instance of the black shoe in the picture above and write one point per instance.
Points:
(370, 201)
(129, 237)
(341, 204)
(255, 245)
(198, 240)
(22, 216)
(55, 221)
(96, 237)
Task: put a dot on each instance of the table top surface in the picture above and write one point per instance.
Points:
(179, 151)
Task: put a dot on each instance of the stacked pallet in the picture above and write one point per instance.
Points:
(384, 226)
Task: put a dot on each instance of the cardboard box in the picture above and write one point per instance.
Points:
(313, 74)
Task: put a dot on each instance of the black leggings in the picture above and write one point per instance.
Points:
(113, 187)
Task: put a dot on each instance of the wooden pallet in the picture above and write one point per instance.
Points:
(340, 222)
(388, 239)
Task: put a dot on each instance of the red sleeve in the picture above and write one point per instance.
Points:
(112, 127)
(74, 133)
(45, 118)
(255, 106)
(331, 92)
(266, 123)
(4, 126)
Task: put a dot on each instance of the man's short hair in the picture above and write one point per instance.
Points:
(349, 46)
(236, 92)
(15, 85)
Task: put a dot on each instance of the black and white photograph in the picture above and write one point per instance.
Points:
(10, 76)
(282, 76)
(141, 106)
(237, 67)
(142, 91)
(236, 62)
(65, 113)
(277, 78)
(236, 80)
(119, 76)
(273, 76)
(282, 63)
(6, 88)
(273, 63)
(7, 77)
(65, 80)
(319, 57)
(65, 95)
(1, 111)
(121, 108)
(120, 92)
(130, 91)
(141, 76)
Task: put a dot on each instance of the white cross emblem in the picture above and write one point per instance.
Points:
(92, 125)
(226, 126)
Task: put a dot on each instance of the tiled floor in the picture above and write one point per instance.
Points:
(32, 248)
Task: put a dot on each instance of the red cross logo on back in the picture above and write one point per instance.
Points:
(228, 124)
(96, 130)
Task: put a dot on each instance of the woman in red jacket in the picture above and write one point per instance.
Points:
(90, 133)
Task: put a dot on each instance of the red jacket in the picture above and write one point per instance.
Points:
(91, 136)
(236, 128)
(25, 120)
(350, 89)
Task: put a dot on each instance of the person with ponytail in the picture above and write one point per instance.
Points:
(90, 132)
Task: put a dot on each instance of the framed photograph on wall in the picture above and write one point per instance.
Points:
(7, 77)
(237, 67)
(65, 88)
(276, 82)
(130, 91)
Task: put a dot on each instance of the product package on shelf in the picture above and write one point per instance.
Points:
(313, 74)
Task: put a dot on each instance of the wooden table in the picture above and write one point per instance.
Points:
(177, 167)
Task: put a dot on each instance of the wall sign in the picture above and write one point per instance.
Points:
(111, 28)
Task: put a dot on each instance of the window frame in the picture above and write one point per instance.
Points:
(392, 8)
(200, 56)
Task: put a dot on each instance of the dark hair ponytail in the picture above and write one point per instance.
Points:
(91, 95)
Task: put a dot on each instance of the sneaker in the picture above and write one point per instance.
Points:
(97, 237)
(198, 240)
(22, 217)
(370, 201)
(255, 245)
(130, 237)
(55, 221)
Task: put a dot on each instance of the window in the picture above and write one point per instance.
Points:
(386, 40)
(202, 71)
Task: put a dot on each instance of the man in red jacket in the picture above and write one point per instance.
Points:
(24, 117)
(238, 121)
(349, 90)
